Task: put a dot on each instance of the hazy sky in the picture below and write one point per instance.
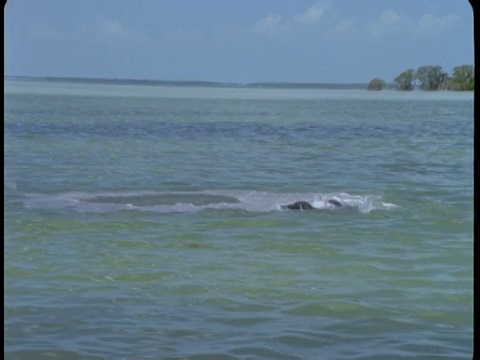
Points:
(235, 40)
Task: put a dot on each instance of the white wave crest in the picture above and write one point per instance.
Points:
(192, 201)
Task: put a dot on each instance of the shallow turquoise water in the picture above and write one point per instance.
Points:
(146, 222)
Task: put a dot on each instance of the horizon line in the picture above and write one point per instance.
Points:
(183, 81)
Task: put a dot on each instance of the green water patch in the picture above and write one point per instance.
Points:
(132, 244)
(331, 308)
(165, 199)
(236, 306)
(49, 354)
(191, 245)
(47, 227)
(242, 321)
(143, 277)
(375, 325)
(306, 248)
(301, 341)
(16, 272)
(208, 356)
(261, 352)
(443, 317)
(227, 221)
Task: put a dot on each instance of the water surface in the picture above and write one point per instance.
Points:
(146, 222)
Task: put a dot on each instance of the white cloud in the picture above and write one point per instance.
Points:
(111, 29)
(346, 28)
(312, 15)
(107, 30)
(276, 24)
(268, 25)
(430, 24)
(391, 22)
(388, 22)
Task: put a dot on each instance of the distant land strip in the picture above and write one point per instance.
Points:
(197, 83)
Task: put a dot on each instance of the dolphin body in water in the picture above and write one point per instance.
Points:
(305, 205)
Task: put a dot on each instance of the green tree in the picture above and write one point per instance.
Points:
(376, 84)
(463, 78)
(432, 78)
(404, 81)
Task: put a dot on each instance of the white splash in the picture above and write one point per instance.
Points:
(188, 201)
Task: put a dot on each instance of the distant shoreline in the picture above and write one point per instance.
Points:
(196, 83)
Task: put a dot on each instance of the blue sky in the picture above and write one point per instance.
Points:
(241, 41)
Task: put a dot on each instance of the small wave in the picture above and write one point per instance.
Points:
(364, 204)
(193, 201)
(9, 185)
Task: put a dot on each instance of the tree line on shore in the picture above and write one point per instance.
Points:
(430, 78)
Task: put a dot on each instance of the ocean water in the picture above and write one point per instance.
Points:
(146, 222)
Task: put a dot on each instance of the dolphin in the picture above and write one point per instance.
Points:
(334, 202)
(305, 205)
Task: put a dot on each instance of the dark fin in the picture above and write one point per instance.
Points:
(299, 205)
(334, 202)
